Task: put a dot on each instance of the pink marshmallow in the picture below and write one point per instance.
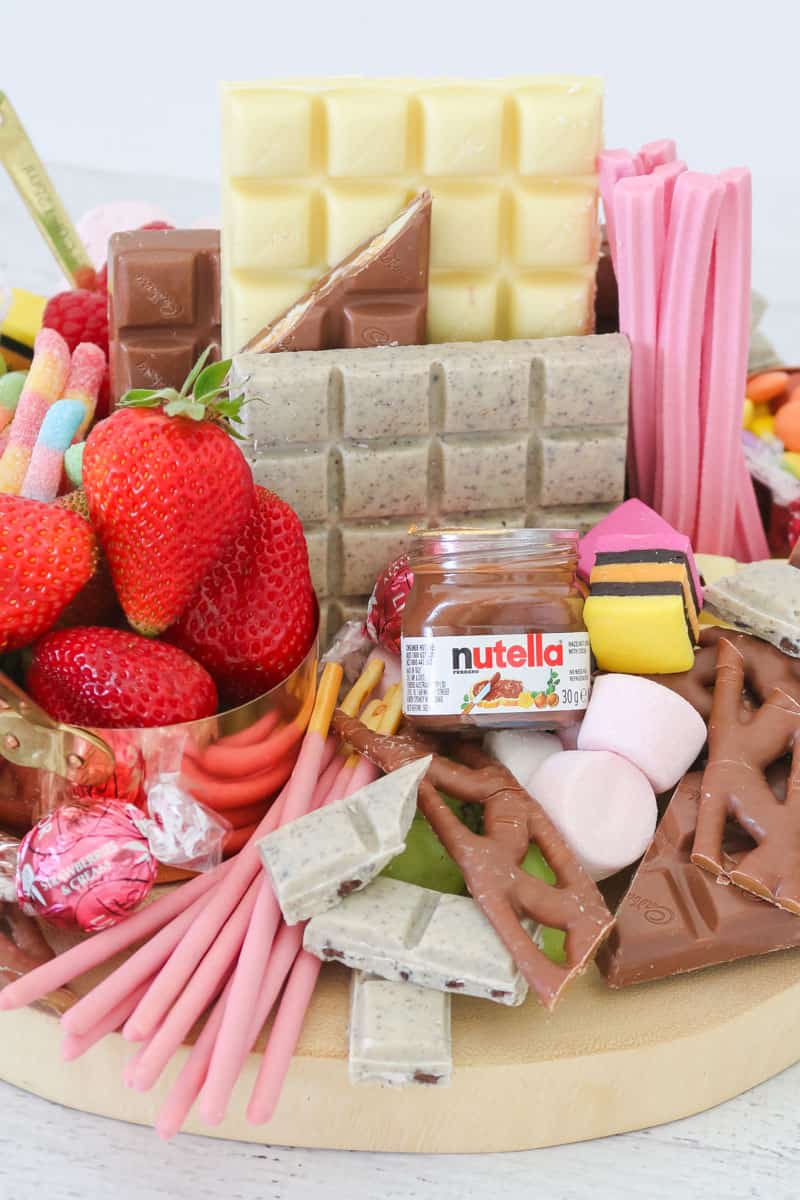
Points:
(648, 724)
(603, 806)
(96, 226)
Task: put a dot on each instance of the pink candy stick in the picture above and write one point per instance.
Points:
(724, 372)
(178, 969)
(74, 1045)
(327, 780)
(205, 983)
(86, 372)
(695, 207)
(231, 1045)
(669, 172)
(655, 154)
(98, 949)
(639, 214)
(750, 540)
(613, 165)
(137, 969)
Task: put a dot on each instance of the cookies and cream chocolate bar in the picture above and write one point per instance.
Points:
(317, 860)
(408, 933)
(399, 1033)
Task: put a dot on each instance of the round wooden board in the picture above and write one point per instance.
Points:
(605, 1062)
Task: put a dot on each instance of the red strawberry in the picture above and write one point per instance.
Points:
(167, 494)
(46, 557)
(112, 679)
(96, 603)
(254, 616)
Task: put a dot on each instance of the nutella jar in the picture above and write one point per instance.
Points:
(493, 634)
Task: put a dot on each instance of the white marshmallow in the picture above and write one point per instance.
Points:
(602, 804)
(522, 751)
(647, 723)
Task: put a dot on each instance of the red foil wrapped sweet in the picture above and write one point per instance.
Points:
(386, 604)
(85, 866)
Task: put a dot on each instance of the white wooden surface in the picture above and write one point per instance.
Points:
(744, 1149)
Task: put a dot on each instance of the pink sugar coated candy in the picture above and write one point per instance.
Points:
(648, 724)
(85, 866)
(602, 804)
(635, 520)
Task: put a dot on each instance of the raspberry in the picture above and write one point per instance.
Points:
(101, 279)
(79, 316)
(158, 225)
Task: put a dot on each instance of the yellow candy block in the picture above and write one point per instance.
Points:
(749, 411)
(639, 634)
(763, 426)
(23, 321)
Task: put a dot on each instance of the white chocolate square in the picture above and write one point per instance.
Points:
(543, 306)
(248, 295)
(367, 134)
(560, 127)
(270, 228)
(354, 214)
(269, 133)
(554, 225)
(462, 308)
(465, 227)
(462, 130)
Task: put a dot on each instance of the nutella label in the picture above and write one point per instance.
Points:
(512, 673)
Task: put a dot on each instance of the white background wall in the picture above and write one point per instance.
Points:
(721, 76)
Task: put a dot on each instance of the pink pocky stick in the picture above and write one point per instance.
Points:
(75, 1045)
(613, 165)
(695, 206)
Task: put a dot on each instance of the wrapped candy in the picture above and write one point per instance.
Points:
(386, 604)
(85, 865)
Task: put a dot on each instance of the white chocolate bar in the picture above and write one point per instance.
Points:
(365, 443)
(762, 598)
(320, 858)
(313, 167)
(408, 933)
(399, 1033)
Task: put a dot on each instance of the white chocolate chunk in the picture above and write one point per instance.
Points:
(762, 598)
(316, 860)
(399, 1033)
(408, 933)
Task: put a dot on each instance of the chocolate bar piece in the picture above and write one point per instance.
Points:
(377, 297)
(676, 917)
(762, 598)
(164, 305)
(311, 168)
(399, 1033)
(365, 443)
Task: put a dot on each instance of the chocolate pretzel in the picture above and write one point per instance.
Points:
(765, 668)
(490, 862)
(743, 745)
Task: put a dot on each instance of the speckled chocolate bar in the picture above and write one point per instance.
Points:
(365, 443)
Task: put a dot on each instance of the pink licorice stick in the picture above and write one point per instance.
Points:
(74, 1045)
(327, 780)
(613, 165)
(205, 983)
(98, 949)
(178, 969)
(724, 370)
(290, 1016)
(231, 1045)
(139, 968)
(655, 154)
(639, 214)
(750, 540)
(669, 172)
(695, 208)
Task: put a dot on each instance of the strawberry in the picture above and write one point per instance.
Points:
(96, 603)
(168, 490)
(110, 678)
(46, 557)
(254, 616)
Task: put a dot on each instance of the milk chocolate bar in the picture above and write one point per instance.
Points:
(413, 935)
(164, 305)
(676, 917)
(312, 168)
(377, 297)
(317, 860)
(365, 443)
(399, 1033)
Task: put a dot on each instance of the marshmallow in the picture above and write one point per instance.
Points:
(650, 725)
(602, 804)
(96, 226)
(522, 751)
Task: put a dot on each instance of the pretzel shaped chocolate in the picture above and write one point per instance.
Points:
(743, 744)
(490, 862)
(765, 668)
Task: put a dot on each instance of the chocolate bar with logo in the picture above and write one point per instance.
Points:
(164, 305)
(676, 917)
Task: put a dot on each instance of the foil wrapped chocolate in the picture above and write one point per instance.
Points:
(386, 604)
(85, 866)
